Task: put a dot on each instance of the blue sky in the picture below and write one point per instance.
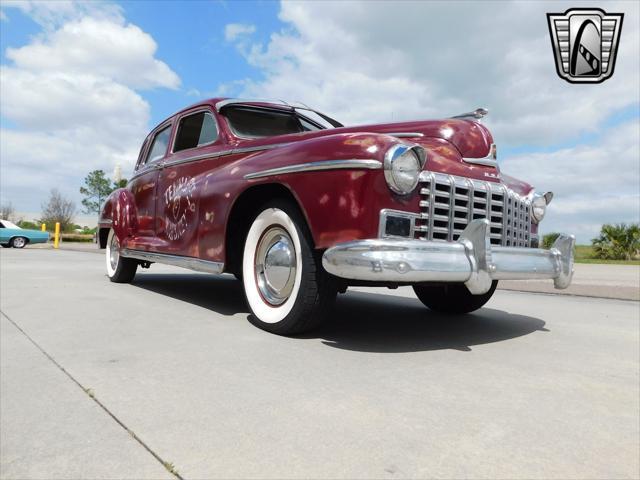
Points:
(190, 38)
(83, 82)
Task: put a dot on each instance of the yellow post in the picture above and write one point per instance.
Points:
(56, 238)
(43, 227)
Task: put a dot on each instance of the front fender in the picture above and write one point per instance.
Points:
(119, 212)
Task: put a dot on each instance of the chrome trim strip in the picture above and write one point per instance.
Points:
(260, 147)
(105, 221)
(405, 134)
(195, 158)
(487, 162)
(351, 164)
(146, 169)
(191, 263)
(221, 153)
(471, 260)
(248, 101)
(491, 160)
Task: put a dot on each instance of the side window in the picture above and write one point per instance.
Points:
(195, 130)
(1, 225)
(159, 145)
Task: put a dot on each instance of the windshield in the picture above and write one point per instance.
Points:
(250, 122)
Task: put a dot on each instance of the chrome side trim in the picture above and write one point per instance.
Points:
(350, 164)
(405, 134)
(491, 160)
(146, 169)
(191, 263)
(195, 158)
(105, 221)
(221, 153)
(260, 147)
(471, 260)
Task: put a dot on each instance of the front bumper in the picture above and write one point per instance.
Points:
(471, 260)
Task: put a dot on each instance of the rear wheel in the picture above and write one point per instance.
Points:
(452, 298)
(119, 269)
(286, 287)
(18, 242)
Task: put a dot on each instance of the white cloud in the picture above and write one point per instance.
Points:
(50, 14)
(364, 62)
(235, 31)
(105, 48)
(369, 61)
(593, 184)
(71, 98)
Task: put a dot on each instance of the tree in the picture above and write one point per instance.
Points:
(97, 188)
(120, 183)
(58, 209)
(617, 242)
(7, 211)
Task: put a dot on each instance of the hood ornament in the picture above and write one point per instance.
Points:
(477, 114)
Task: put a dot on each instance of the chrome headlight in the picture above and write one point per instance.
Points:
(539, 204)
(402, 167)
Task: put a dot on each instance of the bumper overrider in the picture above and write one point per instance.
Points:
(471, 260)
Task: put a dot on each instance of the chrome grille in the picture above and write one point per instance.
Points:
(448, 203)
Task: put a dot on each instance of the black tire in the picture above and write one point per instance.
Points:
(120, 269)
(19, 242)
(312, 296)
(5, 245)
(452, 298)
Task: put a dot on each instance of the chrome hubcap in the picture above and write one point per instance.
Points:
(114, 252)
(275, 266)
(19, 242)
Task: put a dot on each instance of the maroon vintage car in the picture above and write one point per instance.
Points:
(299, 207)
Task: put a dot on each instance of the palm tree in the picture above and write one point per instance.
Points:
(617, 242)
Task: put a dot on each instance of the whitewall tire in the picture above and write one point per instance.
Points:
(285, 285)
(119, 269)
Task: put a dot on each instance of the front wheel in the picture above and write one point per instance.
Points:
(452, 298)
(286, 287)
(18, 242)
(119, 268)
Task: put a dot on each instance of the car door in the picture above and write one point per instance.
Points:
(183, 179)
(144, 185)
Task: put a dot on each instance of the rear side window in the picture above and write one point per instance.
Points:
(159, 145)
(254, 123)
(196, 130)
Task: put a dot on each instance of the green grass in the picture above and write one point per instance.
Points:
(584, 254)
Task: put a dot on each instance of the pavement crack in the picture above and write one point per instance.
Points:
(90, 394)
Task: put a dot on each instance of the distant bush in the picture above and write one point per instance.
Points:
(76, 237)
(548, 239)
(28, 225)
(617, 242)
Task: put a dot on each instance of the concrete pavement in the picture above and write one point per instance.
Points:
(533, 386)
(590, 280)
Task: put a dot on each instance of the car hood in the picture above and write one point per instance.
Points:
(470, 138)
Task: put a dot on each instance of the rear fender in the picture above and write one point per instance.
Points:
(119, 212)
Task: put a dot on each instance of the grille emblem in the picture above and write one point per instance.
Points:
(585, 43)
